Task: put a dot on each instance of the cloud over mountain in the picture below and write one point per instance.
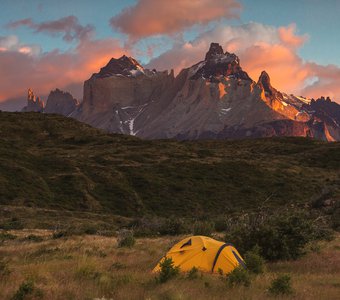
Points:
(154, 17)
(260, 47)
(45, 71)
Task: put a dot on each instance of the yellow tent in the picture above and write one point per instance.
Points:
(204, 253)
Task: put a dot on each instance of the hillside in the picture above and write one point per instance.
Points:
(55, 162)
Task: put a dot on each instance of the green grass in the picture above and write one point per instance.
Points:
(52, 162)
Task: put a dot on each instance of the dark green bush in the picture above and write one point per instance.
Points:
(193, 273)
(90, 230)
(6, 236)
(221, 224)
(205, 228)
(33, 238)
(173, 226)
(13, 223)
(168, 270)
(60, 234)
(282, 236)
(239, 276)
(126, 238)
(26, 288)
(281, 286)
(254, 262)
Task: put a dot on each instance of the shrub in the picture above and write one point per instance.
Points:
(220, 224)
(239, 276)
(26, 288)
(281, 285)
(6, 236)
(168, 270)
(126, 238)
(173, 226)
(254, 261)
(146, 227)
(4, 270)
(203, 228)
(60, 234)
(34, 238)
(13, 223)
(279, 237)
(87, 271)
(193, 273)
(90, 230)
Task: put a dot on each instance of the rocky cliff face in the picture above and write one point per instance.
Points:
(214, 98)
(33, 103)
(115, 98)
(59, 102)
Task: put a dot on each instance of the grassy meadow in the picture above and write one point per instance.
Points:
(67, 190)
(94, 267)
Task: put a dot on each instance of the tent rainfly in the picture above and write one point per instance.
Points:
(205, 254)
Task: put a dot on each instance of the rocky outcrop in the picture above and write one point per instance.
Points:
(217, 63)
(214, 98)
(59, 102)
(116, 97)
(34, 104)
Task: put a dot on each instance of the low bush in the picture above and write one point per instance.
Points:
(281, 286)
(173, 226)
(254, 261)
(239, 276)
(126, 238)
(60, 234)
(89, 230)
(26, 288)
(33, 238)
(205, 228)
(168, 270)
(13, 223)
(193, 273)
(4, 269)
(4, 236)
(282, 236)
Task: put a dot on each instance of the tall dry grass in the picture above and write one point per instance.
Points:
(93, 267)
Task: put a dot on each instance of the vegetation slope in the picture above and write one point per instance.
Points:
(50, 161)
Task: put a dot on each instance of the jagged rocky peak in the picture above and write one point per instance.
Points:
(264, 82)
(218, 63)
(59, 102)
(33, 103)
(123, 66)
(214, 50)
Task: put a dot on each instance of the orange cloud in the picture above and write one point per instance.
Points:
(47, 71)
(154, 17)
(261, 47)
(289, 38)
(326, 82)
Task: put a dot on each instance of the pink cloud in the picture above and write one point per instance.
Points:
(289, 38)
(155, 17)
(261, 47)
(46, 71)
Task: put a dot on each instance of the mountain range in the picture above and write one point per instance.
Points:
(213, 99)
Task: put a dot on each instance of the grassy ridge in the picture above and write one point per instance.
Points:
(55, 162)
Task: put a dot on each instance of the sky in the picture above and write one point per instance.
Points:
(59, 44)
